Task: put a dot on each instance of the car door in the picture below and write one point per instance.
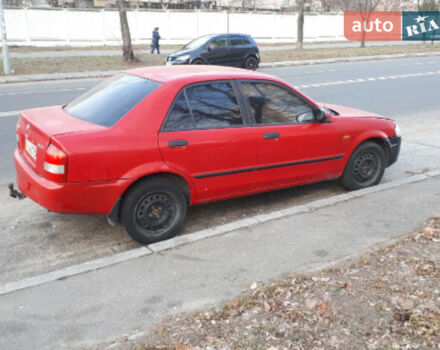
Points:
(206, 137)
(238, 50)
(292, 146)
(219, 51)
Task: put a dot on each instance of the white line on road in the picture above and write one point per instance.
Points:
(363, 80)
(200, 235)
(40, 91)
(8, 114)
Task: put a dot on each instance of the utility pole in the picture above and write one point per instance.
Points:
(5, 51)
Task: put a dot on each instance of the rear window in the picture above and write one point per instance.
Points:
(110, 100)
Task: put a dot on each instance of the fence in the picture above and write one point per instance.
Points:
(48, 27)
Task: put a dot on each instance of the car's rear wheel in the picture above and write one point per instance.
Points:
(198, 61)
(153, 210)
(365, 167)
(251, 63)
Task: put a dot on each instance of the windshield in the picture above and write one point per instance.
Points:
(196, 42)
(110, 100)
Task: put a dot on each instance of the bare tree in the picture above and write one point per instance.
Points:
(300, 24)
(428, 5)
(127, 48)
(330, 5)
(364, 6)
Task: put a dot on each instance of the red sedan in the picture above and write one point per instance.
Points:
(143, 145)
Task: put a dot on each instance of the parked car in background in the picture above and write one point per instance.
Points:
(143, 145)
(235, 50)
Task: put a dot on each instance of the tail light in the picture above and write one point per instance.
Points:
(55, 164)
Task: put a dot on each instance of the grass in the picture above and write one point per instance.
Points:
(103, 63)
(79, 64)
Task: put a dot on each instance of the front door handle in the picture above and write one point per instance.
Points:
(177, 143)
(271, 135)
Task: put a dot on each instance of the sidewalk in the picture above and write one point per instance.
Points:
(117, 51)
(99, 306)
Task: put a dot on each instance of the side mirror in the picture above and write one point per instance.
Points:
(211, 47)
(321, 115)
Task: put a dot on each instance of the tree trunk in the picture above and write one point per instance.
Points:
(127, 48)
(300, 25)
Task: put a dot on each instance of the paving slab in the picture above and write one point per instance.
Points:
(98, 306)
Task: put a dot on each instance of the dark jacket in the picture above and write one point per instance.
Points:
(156, 37)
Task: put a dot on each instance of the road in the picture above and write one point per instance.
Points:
(35, 241)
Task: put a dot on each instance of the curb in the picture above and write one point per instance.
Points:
(204, 234)
(348, 59)
(56, 76)
(102, 74)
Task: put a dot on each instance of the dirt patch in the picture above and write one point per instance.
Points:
(388, 299)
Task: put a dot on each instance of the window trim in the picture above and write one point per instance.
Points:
(249, 108)
(245, 115)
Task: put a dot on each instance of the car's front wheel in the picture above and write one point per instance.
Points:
(251, 63)
(365, 167)
(153, 210)
(198, 61)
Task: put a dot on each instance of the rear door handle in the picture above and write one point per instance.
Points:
(271, 135)
(177, 143)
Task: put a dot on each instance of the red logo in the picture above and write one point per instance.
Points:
(373, 26)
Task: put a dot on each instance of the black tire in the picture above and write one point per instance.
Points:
(251, 63)
(365, 167)
(198, 61)
(153, 210)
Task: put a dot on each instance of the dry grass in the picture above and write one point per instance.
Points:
(80, 64)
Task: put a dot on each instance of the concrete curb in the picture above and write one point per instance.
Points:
(74, 270)
(102, 74)
(204, 234)
(348, 59)
(56, 76)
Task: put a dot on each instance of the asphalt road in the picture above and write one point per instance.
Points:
(35, 241)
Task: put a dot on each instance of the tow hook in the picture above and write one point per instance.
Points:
(15, 193)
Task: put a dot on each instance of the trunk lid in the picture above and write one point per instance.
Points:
(36, 127)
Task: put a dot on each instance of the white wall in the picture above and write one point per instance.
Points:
(47, 27)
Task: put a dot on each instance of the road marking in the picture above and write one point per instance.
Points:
(362, 80)
(204, 234)
(40, 91)
(8, 114)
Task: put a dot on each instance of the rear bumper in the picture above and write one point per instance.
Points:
(75, 198)
(393, 144)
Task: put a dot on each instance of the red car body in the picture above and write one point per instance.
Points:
(101, 163)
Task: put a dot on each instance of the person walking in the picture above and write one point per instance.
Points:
(155, 40)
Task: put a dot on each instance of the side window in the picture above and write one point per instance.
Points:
(236, 41)
(214, 106)
(218, 43)
(246, 41)
(179, 117)
(273, 104)
(211, 106)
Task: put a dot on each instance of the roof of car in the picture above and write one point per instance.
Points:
(194, 73)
